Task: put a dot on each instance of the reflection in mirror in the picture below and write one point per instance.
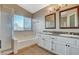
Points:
(63, 20)
(72, 21)
(69, 18)
(50, 21)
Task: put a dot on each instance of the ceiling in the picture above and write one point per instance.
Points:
(32, 8)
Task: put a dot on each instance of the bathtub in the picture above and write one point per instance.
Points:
(23, 39)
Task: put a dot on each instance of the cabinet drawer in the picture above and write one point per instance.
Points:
(72, 41)
(61, 40)
(64, 40)
(60, 48)
(77, 43)
(74, 51)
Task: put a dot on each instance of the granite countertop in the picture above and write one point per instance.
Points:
(62, 36)
(57, 33)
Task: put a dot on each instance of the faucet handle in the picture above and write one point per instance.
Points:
(71, 33)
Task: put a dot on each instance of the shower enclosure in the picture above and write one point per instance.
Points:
(6, 17)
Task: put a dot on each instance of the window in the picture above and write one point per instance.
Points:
(18, 22)
(28, 24)
(22, 23)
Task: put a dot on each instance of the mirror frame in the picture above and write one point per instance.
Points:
(54, 21)
(68, 10)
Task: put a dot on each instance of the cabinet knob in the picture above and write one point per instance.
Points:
(66, 45)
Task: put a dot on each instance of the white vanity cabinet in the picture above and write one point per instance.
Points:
(77, 42)
(40, 40)
(59, 45)
(47, 42)
(74, 50)
(53, 45)
(44, 41)
(66, 46)
(60, 48)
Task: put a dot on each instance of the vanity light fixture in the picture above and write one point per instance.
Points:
(50, 10)
(56, 8)
(59, 6)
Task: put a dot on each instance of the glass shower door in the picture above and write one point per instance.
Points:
(6, 28)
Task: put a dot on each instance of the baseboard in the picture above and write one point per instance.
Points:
(6, 52)
(28, 46)
(26, 43)
(12, 53)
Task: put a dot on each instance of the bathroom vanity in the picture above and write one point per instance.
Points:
(61, 44)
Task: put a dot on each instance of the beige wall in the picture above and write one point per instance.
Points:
(40, 18)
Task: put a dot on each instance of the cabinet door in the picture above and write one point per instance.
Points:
(60, 48)
(48, 43)
(52, 45)
(38, 38)
(73, 51)
(44, 44)
(40, 42)
(77, 43)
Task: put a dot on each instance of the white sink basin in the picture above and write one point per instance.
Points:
(68, 35)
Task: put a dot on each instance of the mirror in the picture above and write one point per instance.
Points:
(50, 21)
(69, 18)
